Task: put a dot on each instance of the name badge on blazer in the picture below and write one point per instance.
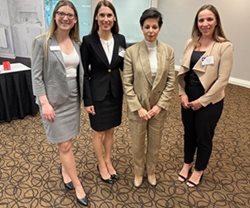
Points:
(209, 60)
(121, 52)
(54, 48)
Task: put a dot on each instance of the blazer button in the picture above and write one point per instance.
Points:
(109, 70)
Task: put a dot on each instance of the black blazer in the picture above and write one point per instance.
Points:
(99, 75)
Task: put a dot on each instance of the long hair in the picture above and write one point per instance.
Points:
(95, 26)
(218, 34)
(74, 32)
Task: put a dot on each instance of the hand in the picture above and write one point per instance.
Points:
(48, 112)
(90, 109)
(195, 105)
(184, 101)
(154, 111)
(144, 114)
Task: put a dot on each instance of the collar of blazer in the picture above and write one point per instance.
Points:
(57, 52)
(187, 57)
(144, 59)
(101, 53)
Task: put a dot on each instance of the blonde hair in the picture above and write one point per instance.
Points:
(74, 32)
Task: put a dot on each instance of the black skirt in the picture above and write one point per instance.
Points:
(108, 113)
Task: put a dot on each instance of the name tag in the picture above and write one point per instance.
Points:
(121, 52)
(55, 48)
(207, 60)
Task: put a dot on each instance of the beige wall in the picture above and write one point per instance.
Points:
(235, 17)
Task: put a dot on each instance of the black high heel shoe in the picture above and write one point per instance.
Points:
(183, 178)
(109, 180)
(191, 184)
(115, 177)
(83, 201)
(68, 185)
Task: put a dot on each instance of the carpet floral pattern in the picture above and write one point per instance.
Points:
(29, 166)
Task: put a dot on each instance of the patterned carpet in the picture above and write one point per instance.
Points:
(29, 166)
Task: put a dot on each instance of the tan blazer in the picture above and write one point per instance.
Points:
(139, 88)
(213, 77)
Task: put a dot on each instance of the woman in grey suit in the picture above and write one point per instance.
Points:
(57, 76)
(148, 80)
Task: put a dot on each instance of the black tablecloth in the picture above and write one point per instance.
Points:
(16, 96)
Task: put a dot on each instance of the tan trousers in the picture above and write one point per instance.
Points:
(146, 140)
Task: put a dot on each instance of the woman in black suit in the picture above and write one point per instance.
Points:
(102, 55)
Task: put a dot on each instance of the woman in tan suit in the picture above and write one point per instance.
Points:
(203, 76)
(148, 80)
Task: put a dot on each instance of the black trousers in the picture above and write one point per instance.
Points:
(199, 129)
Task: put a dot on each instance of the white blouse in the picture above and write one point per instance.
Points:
(108, 46)
(152, 51)
(71, 62)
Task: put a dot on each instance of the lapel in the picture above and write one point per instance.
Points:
(76, 46)
(57, 53)
(188, 53)
(99, 49)
(187, 56)
(144, 59)
(198, 66)
(161, 58)
(115, 50)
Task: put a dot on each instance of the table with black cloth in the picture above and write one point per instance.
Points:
(16, 95)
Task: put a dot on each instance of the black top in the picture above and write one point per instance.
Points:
(193, 87)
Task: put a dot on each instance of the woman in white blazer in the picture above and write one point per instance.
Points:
(148, 80)
(203, 76)
(57, 76)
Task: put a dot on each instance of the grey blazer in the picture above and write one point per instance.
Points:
(49, 77)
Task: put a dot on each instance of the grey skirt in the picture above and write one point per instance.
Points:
(66, 124)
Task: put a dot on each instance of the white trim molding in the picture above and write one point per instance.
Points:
(239, 82)
(232, 80)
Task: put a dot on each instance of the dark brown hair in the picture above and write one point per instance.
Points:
(95, 26)
(151, 13)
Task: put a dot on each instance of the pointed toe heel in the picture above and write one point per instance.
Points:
(83, 201)
(115, 177)
(152, 180)
(138, 181)
(69, 186)
(108, 180)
